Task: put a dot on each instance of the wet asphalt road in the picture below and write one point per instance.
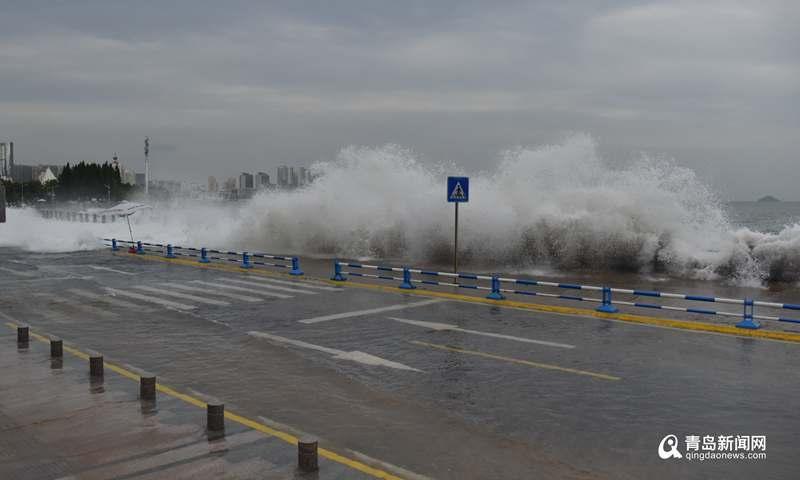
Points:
(476, 392)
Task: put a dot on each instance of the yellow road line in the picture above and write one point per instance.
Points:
(625, 317)
(545, 366)
(286, 437)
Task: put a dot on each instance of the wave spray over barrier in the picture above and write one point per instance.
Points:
(559, 206)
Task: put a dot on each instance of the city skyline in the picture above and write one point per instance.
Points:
(29, 171)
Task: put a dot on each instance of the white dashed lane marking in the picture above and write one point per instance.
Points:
(182, 296)
(354, 356)
(151, 299)
(268, 287)
(208, 291)
(455, 328)
(359, 313)
(111, 300)
(242, 289)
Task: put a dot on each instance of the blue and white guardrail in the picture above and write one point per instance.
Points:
(206, 255)
(607, 305)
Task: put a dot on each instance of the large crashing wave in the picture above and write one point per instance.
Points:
(559, 206)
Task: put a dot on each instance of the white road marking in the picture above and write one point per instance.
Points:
(148, 298)
(354, 356)
(183, 296)
(454, 328)
(95, 267)
(269, 287)
(207, 291)
(88, 309)
(18, 272)
(296, 284)
(359, 313)
(242, 289)
(108, 299)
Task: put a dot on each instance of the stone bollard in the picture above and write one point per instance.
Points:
(23, 334)
(215, 417)
(147, 387)
(96, 365)
(56, 348)
(307, 460)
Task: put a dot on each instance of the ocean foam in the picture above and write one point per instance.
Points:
(559, 207)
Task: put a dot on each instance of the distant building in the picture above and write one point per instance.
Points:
(213, 186)
(262, 181)
(21, 173)
(10, 160)
(229, 185)
(46, 175)
(245, 182)
(283, 176)
(294, 180)
(127, 176)
(4, 171)
(139, 179)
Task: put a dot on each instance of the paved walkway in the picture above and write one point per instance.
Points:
(56, 422)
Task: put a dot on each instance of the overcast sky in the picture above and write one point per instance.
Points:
(222, 87)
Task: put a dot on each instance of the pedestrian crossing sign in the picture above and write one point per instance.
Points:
(458, 189)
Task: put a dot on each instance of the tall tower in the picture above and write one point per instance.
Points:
(3, 166)
(147, 166)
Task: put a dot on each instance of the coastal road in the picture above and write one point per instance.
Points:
(426, 387)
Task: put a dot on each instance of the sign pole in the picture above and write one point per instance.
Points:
(457, 192)
(455, 243)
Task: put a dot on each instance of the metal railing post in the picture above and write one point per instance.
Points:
(407, 285)
(607, 306)
(295, 267)
(747, 316)
(496, 294)
(337, 272)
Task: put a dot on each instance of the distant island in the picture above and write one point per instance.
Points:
(768, 198)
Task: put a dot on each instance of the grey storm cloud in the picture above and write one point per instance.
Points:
(236, 86)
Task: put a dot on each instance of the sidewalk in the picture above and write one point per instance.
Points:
(57, 423)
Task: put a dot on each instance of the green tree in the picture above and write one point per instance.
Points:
(85, 181)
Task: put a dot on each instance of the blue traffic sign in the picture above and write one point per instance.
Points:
(458, 189)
